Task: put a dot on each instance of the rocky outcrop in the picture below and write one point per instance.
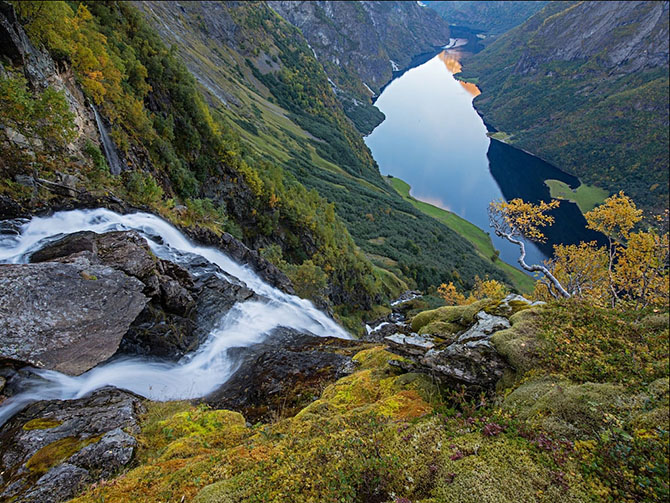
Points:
(470, 360)
(452, 344)
(183, 307)
(52, 448)
(373, 39)
(65, 317)
(279, 376)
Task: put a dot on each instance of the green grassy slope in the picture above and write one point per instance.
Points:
(471, 232)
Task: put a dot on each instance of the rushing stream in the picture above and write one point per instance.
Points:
(434, 140)
(198, 373)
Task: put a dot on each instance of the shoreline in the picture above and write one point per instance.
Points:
(478, 237)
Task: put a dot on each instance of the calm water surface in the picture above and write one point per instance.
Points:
(434, 140)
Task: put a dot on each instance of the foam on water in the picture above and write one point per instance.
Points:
(198, 373)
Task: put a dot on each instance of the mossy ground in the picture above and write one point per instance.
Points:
(558, 431)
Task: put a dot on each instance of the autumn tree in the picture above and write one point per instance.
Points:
(451, 296)
(632, 269)
(517, 220)
(482, 289)
(488, 288)
(637, 266)
(615, 218)
(582, 269)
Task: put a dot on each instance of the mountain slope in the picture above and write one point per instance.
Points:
(258, 63)
(493, 17)
(178, 158)
(585, 86)
(361, 44)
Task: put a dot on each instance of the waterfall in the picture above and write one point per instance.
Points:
(198, 373)
(115, 165)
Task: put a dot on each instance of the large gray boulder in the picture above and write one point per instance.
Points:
(52, 448)
(468, 360)
(185, 301)
(65, 317)
(282, 374)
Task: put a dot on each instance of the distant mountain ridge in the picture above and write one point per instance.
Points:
(584, 85)
(492, 17)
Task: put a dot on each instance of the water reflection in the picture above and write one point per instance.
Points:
(519, 174)
(434, 140)
(451, 60)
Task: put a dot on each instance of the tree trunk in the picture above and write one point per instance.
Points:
(535, 267)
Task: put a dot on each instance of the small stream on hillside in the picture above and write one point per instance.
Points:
(434, 140)
(198, 373)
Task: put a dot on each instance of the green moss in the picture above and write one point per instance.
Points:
(56, 452)
(507, 309)
(41, 423)
(500, 470)
(374, 358)
(445, 318)
(520, 344)
(567, 410)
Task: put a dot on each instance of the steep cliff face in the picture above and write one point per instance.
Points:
(361, 44)
(585, 86)
(493, 17)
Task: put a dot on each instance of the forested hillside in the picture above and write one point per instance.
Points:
(584, 85)
(285, 110)
(361, 44)
(229, 129)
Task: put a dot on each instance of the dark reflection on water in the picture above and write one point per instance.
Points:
(434, 140)
(519, 174)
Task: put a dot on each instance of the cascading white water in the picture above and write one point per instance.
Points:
(108, 146)
(196, 374)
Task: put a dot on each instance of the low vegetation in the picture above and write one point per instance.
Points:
(582, 418)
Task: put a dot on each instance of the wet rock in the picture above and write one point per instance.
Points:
(65, 317)
(406, 297)
(185, 300)
(126, 251)
(113, 450)
(58, 484)
(52, 447)
(379, 329)
(240, 253)
(284, 373)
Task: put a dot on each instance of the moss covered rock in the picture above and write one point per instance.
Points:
(448, 320)
(520, 344)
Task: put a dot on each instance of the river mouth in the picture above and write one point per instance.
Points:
(434, 139)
